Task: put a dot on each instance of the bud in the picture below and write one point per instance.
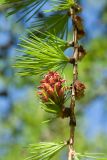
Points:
(80, 34)
(78, 22)
(82, 53)
(79, 89)
(77, 8)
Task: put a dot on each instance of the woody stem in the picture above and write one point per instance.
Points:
(75, 77)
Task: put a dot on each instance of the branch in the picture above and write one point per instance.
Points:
(71, 153)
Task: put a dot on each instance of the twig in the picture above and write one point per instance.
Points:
(71, 153)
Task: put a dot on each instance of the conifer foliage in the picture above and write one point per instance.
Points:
(43, 54)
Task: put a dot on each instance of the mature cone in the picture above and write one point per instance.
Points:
(79, 89)
(51, 88)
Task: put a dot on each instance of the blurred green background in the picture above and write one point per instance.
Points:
(20, 114)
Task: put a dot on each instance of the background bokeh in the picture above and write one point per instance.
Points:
(20, 114)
